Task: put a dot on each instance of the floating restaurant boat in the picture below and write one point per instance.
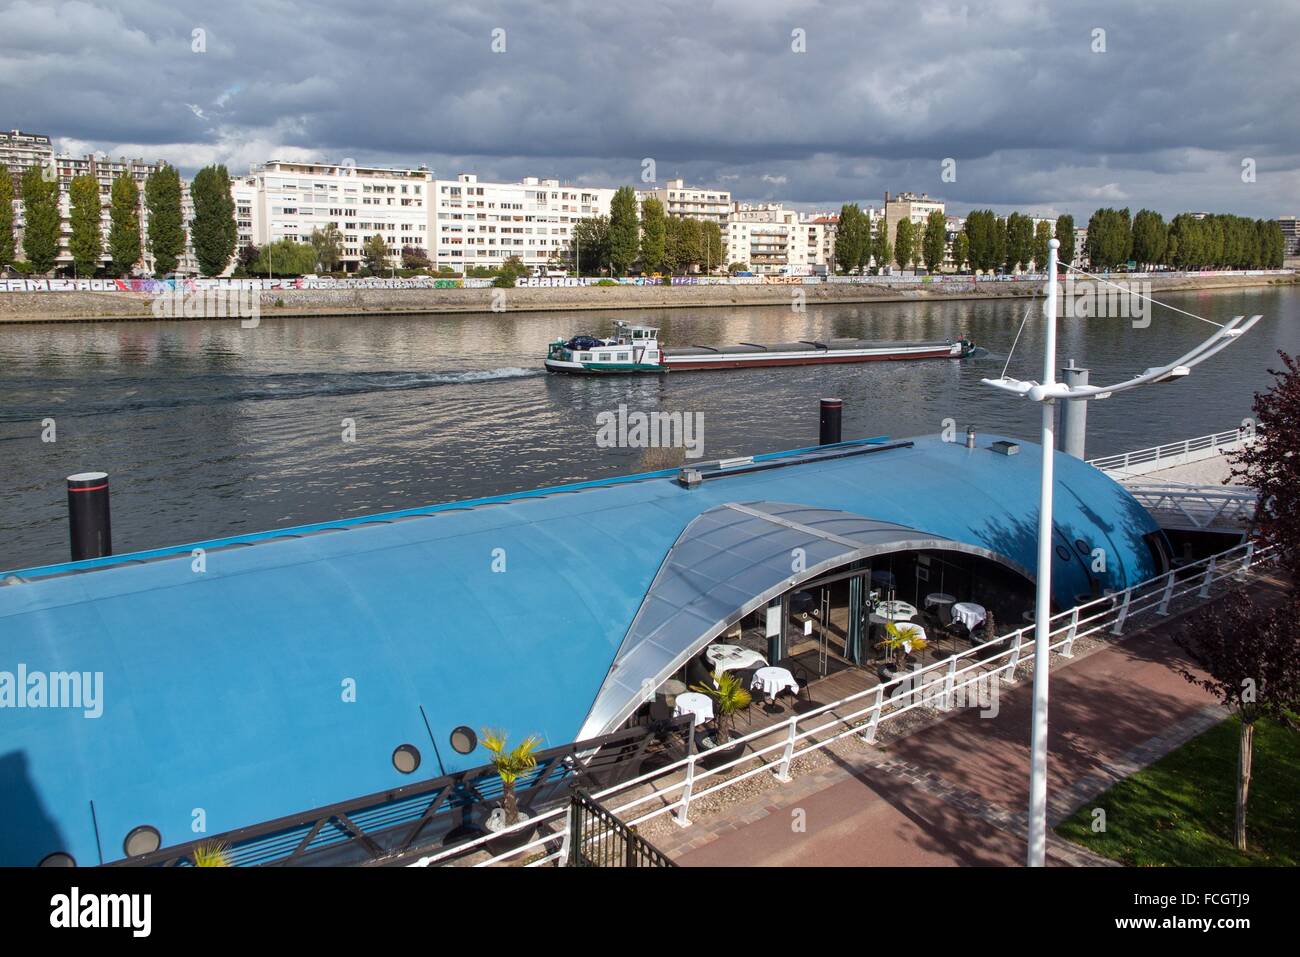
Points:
(634, 349)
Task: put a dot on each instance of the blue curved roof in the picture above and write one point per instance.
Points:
(226, 691)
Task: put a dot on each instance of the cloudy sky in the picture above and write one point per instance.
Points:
(883, 92)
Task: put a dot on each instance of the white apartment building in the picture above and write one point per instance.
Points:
(691, 202)
(483, 224)
(289, 200)
(772, 240)
(19, 150)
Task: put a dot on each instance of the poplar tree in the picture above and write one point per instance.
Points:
(935, 241)
(852, 238)
(162, 197)
(1065, 233)
(41, 220)
(213, 230)
(653, 235)
(904, 239)
(124, 225)
(86, 243)
(1042, 236)
(624, 230)
(6, 216)
(881, 248)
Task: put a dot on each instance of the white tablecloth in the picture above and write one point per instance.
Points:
(771, 681)
(732, 657)
(896, 610)
(941, 601)
(969, 614)
(698, 706)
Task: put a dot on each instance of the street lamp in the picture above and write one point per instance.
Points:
(1049, 392)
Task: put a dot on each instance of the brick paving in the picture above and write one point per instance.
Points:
(952, 793)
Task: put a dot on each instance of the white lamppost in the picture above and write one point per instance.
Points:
(1048, 392)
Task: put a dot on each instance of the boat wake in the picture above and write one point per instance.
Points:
(137, 393)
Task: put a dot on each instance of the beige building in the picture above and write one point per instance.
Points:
(19, 150)
(691, 202)
(908, 206)
(772, 240)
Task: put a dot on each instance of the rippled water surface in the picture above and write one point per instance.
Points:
(208, 429)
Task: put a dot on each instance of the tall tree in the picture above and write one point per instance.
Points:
(162, 200)
(328, 243)
(86, 242)
(590, 245)
(1065, 233)
(980, 227)
(124, 225)
(1150, 237)
(961, 250)
(41, 220)
(213, 231)
(652, 235)
(935, 241)
(374, 253)
(852, 238)
(624, 230)
(1020, 242)
(1042, 236)
(6, 217)
(713, 255)
(904, 241)
(882, 250)
(1250, 660)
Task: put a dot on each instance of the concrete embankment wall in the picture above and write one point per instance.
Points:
(110, 306)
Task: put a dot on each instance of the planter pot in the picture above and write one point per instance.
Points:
(496, 821)
(718, 756)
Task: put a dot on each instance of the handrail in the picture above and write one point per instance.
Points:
(1157, 453)
(861, 713)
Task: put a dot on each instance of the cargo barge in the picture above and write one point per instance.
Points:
(636, 349)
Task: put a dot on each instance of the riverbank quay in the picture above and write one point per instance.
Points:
(296, 299)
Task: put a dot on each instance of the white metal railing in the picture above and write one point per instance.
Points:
(1202, 505)
(1173, 450)
(673, 788)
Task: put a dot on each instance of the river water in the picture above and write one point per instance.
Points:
(208, 429)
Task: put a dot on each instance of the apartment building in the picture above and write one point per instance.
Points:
(19, 150)
(908, 206)
(290, 200)
(772, 240)
(691, 202)
(482, 224)
(1290, 234)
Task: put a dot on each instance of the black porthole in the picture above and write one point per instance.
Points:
(406, 758)
(57, 859)
(1062, 553)
(463, 740)
(144, 839)
(1082, 546)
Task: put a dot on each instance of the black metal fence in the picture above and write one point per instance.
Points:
(599, 839)
(390, 826)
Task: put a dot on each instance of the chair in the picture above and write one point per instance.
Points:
(698, 672)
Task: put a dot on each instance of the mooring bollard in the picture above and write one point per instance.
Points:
(831, 414)
(88, 520)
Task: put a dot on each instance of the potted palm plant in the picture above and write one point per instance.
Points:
(509, 763)
(730, 696)
(901, 639)
(211, 854)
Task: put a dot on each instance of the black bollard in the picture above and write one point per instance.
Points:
(88, 515)
(832, 410)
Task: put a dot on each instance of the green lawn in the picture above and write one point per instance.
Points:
(1179, 811)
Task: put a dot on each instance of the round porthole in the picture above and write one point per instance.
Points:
(144, 839)
(463, 740)
(1062, 553)
(58, 859)
(406, 758)
(1082, 546)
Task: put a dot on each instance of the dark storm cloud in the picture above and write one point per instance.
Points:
(1010, 89)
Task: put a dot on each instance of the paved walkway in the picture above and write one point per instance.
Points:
(953, 793)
